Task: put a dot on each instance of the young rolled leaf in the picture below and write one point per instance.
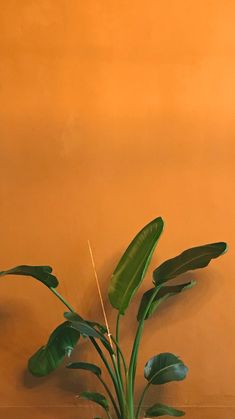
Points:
(60, 344)
(85, 366)
(194, 258)
(132, 267)
(160, 409)
(41, 273)
(164, 368)
(96, 398)
(163, 294)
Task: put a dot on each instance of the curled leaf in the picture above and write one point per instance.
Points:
(96, 398)
(41, 273)
(163, 294)
(164, 368)
(160, 409)
(60, 344)
(194, 258)
(85, 366)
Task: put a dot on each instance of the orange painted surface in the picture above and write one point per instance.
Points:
(113, 113)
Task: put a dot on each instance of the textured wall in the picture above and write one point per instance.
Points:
(112, 113)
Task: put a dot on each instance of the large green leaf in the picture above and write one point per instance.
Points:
(160, 409)
(41, 273)
(60, 344)
(163, 294)
(96, 398)
(132, 267)
(85, 366)
(194, 258)
(164, 368)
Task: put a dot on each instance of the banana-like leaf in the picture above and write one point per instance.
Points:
(132, 267)
(85, 366)
(194, 258)
(41, 273)
(96, 398)
(163, 294)
(160, 409)
(164, 368)
(60, 344)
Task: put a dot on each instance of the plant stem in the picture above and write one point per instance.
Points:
(111, 396)
(117, 340)
(115, 383)
(142, 399)
(58, 295)
(109, 369)
(120, 352)
(120, 384)
(108, 415)
(134, 354)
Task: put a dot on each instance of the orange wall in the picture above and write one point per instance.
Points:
(112, 113)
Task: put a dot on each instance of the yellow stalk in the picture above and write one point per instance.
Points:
(100, 295)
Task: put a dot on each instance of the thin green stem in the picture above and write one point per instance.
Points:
(114, 379)
(100, 352)
(58, 295)
(120, 384)
(142, 399)
(117, 340)
(121, 353)
(110, 396)
(134, 354)
(108, 415)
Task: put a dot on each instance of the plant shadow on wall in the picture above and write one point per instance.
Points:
(118, 397)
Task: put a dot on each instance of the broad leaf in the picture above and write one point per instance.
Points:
(164, 368)
(194, 258)
(160, 409)
(41, 273)
(132, 267)
(60, 344)
(85, 366)
(163, 294)
(96, 398)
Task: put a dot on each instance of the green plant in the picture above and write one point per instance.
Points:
(125, 281)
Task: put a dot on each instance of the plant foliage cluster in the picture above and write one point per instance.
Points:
(119, 400)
